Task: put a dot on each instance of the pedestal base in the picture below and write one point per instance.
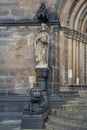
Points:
(41, 77)
(34, 121)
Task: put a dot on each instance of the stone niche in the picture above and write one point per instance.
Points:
(17, 58)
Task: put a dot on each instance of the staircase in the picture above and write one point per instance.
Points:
(71, 116)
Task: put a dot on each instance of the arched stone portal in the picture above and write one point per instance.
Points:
(73, 37)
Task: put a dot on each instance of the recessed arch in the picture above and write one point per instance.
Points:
(76, 14)
(84, 24)
(79, 18)
(71, 11)
(73, 18)
(63, 13)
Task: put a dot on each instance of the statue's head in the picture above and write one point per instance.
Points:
(43, 27)
(35, 94)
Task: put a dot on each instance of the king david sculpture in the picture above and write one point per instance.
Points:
(36, 111)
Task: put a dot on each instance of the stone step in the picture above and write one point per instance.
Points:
(18, 128)
(68, 121)
(66, 111)
(77, 103)
(75, 90)
(71, 116)
(30, 129)
(75, 115)
(68, 93)
(81, 99)
(57, 126)
(74, 108)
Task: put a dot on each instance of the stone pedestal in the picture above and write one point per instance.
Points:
(34, 121)
(37, 110)
(41, 77)
(42, 80)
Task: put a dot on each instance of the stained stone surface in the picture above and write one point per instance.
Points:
(17, 58)
(21, 8)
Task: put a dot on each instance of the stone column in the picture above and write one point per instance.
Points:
(77, 62)
(66, 59)
(70, 50)
(52, 59)
(55, 98)
(55, 64)
(61, 58)
(85, 65)
(74, 62)
(82, 62)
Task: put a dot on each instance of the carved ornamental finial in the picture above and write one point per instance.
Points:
(42, 13)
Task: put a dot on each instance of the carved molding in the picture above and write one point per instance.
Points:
(75, 35)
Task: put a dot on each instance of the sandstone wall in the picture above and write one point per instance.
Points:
(22, 8)
(17, 59)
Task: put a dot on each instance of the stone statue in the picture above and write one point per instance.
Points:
(41, 47)
(38, 102)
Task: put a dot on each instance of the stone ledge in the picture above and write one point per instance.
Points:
(52, 125)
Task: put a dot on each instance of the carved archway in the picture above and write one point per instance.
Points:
(73, 37)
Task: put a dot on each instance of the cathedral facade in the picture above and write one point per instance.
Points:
(67, 43)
